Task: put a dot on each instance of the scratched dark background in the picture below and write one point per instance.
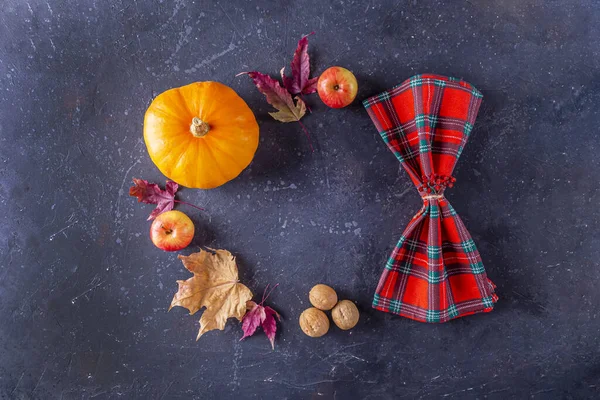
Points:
(84, 294)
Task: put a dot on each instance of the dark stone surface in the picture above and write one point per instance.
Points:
(84, 294)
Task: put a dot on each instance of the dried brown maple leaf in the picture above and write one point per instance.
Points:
(216, 286)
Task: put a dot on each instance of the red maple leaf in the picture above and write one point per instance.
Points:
(259, 315)
(300, 82)
(151, 193)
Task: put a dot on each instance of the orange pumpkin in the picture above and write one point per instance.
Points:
(200, 135)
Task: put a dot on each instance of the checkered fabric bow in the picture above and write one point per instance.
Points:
(435, 273)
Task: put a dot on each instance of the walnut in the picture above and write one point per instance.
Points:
(323, 297)
(314, 322)
(345, 314)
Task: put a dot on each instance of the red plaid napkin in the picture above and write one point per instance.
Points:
(435, 273)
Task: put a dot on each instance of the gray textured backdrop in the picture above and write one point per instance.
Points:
(84, 294)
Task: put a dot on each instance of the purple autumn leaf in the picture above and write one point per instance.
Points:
(269, 324)
(151, 193)
(300, 82)
(258, 314)
(253, 318)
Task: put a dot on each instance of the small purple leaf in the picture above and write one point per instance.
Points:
(150, 193)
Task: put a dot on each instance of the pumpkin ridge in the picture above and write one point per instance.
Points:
(166, 170)
(187, 106)
(234, 159)
(161, 110)
(207, 150)
(182, 154)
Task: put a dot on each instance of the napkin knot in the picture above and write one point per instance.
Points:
(433, 186)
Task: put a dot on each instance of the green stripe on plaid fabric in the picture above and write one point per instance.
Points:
(477, 268)
(404, 268)
(399, 157)
(393, 306)
(469, 246)
(416, 81)
(396, 307)
(433, 120)
(368, 103)
(450, 210)
(411, 245)
(488, 301)
(434, 252)
(378, 302)
(386, 135)
(436, 276)
(429, 315)
(452, 311)
(468, 129)
(433, 316)
(431, 276)
(375, 300)
(391, 260)
(384, 96)
(420, 120)
(434, 210)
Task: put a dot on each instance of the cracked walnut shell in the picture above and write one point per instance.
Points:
(314, 322)
(345, 315)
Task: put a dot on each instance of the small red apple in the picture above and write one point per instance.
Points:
(172, 231)
(337, 87)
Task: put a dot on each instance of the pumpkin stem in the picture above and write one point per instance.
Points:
(199, 128)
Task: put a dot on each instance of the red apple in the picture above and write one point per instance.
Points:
(337, 87)
(172, 231)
